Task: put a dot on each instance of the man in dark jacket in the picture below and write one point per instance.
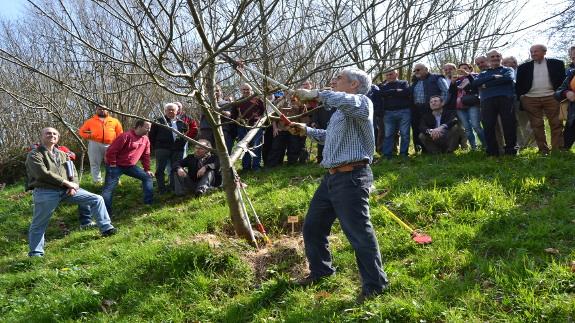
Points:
(537, 82)
(423, 87)
(495, 86)
(397, 117)
(167, 145)
(203, 171)
(439, 130)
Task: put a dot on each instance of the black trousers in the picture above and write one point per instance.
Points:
(491, 108)
(417, 111)
(284, 143)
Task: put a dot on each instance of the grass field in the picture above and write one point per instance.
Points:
(503, 251)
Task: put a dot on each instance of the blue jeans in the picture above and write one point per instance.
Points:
(396, 120)
(84, 214)
(45, 202)
(471, 121)
(344, 196)
(249, 162)
(113, 175)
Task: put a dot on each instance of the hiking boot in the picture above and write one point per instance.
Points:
(309, 280)
(109, 232)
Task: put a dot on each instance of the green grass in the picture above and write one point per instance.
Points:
(491, 221)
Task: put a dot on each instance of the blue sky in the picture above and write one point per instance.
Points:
(11, 8)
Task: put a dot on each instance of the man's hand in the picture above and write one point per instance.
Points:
(71, 192)
(570, 95)
(71, 185)
(201, 172)
(437, 133)
(306, 95)
(181, 172)
(149, 172)
(297, 129)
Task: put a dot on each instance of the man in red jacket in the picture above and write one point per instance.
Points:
(122, 157)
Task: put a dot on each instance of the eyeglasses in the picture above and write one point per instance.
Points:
(417, 69)
(494, 56)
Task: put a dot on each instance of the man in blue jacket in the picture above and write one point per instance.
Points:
(497, 90)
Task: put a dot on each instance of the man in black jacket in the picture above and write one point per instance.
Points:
(203, 171)
(439, 131)
(537, 81)
(167, 145)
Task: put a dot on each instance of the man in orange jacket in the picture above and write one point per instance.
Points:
(100, 131)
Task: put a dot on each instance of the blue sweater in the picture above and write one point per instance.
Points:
(490, 86)
(396, 95)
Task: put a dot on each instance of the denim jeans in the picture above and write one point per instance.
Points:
(344, 196)
(471, 121)
(165, 158)
(84, 214)
(46, 201)
(396, 120)
(113, 175)
(249, 162)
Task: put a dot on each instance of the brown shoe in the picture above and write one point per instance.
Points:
(309, 280)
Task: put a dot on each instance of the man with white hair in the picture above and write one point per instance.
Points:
(537, 81)
(344, 191)
(167, 145)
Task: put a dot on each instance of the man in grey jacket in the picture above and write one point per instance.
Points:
(54, 179)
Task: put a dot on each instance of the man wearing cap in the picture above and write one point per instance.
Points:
(100, 131)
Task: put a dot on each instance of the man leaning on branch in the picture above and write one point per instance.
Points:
(100, 131)
(53, 177)
(344, 191)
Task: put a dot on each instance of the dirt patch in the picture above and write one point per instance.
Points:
(285, 254)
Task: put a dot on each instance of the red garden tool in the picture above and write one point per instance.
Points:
(418, 237)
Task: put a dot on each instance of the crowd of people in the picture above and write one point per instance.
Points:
(497, 110)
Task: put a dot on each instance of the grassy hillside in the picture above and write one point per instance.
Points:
(503, 250)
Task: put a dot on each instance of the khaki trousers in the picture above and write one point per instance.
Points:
(537, 108)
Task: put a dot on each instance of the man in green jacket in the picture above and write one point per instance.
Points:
(54, 179)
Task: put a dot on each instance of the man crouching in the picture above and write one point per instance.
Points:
(54, 179)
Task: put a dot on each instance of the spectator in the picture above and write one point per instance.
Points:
(188, 120)
(374, 95)
(567, 91)
(284, 142)
(100, 131)
(450, 76)
(84, 214)
(438, 128)
(344, 191)
(247, 112)
(320, 120)
(54, 179)
(467, 105)
(424, 86)
(525, 136)
(496, 92)
(397, 115)
(168, 147)
(537, 81)
(198, 172)
(122, 157)
(206, 131)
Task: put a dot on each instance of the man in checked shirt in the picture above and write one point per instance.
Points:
(344, 191)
